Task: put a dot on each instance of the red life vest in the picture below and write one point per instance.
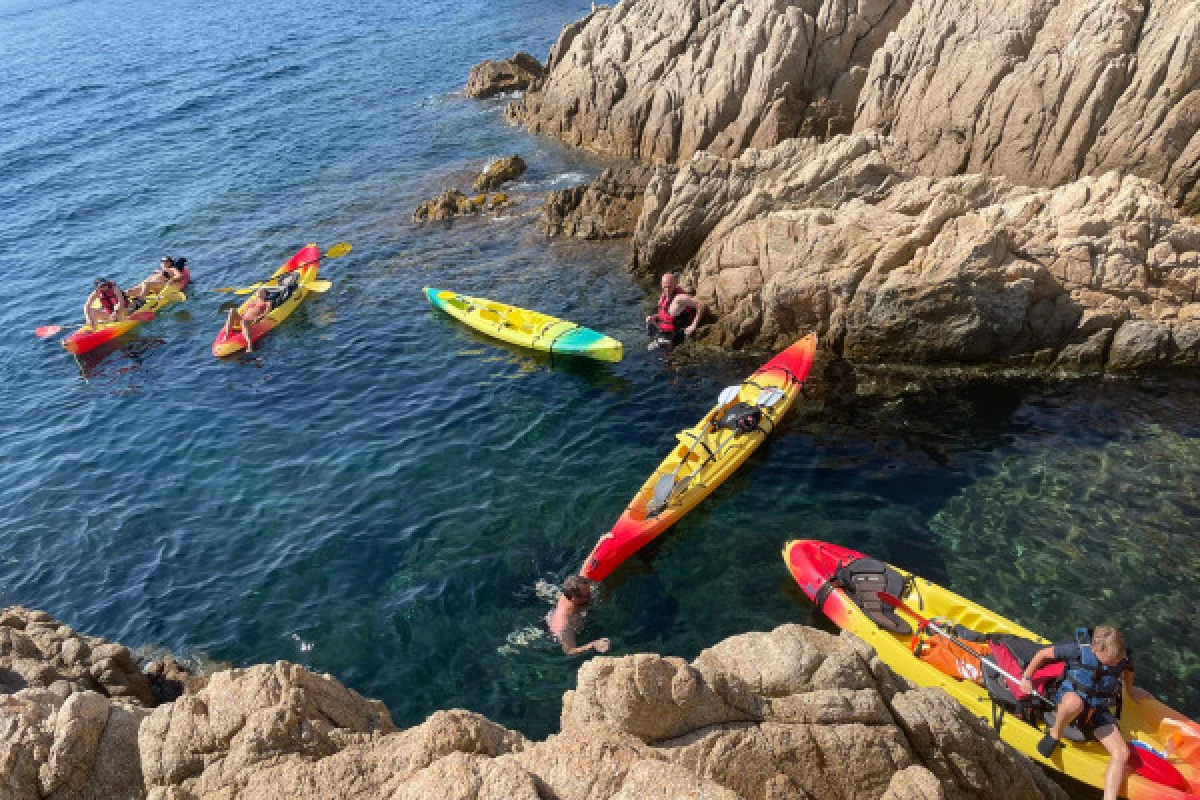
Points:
(668, 323)
(109, 299)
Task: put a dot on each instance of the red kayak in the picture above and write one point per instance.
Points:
(706, 455)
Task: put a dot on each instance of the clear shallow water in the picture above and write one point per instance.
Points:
(378, 492)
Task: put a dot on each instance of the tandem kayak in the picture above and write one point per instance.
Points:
(526, 328)
(305, 264)
(705, 456)
(88, 338)
(845, 585)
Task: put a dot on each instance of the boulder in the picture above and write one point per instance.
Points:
(453, 203)
(498, 171)
(498, 77)
(607, 208)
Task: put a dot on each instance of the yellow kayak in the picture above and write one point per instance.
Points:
(1165, 756)
(526, 328)
(88, 338)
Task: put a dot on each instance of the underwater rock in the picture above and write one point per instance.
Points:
(499, 171)
(606, 208)
(793, 713)
(514, 74)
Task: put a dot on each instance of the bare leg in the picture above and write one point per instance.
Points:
(1068, 710)
(246, 326)
(231, 322)
(94, 316)
(1110, 737)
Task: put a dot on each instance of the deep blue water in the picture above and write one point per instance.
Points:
(377, 492)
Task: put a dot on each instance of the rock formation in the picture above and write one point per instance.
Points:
(497, 77)
(499, 171)
(607, 208)
(453, 203)
(891, 267)
(794, 713)
(659, 80)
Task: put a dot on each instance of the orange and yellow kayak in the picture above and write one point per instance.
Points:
(88, 338)
(1165, 757)
(306, 262)
(703, 458)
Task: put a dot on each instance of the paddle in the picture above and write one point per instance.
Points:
(667, 486)
(337, 251)
(897, 603)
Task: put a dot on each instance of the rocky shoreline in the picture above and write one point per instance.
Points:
(936, 183)
(793, 713)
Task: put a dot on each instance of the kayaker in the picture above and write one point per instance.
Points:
(1098, 666)
(106, 303)
(677, 316)
(171, 271)
(567, 617)
(258, 308)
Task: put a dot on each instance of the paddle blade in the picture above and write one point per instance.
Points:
(728, 395)
(662, 491)
(769, 397)
(47, 331)
(319, 286)
(338, 250)
(1144, 760)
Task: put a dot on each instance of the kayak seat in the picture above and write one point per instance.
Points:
(863, 579)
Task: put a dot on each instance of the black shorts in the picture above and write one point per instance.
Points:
(664, 338)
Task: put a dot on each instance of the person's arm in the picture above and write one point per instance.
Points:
(90, 299)
(1042, 656)
(569, 647)
(687, 301)
(1132, 691)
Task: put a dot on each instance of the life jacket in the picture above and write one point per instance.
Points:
(109, 299)
(668, 323)
(1098, 684)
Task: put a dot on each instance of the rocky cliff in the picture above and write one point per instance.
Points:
(794, 713)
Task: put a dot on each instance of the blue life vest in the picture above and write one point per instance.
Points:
(1099, 685)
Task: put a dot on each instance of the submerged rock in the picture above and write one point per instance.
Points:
(794, 713)
(890, 267)
(453, 203)
(501, 170)
(606, 208)
(508, 75)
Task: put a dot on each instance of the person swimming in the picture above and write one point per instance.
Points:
(564, 622)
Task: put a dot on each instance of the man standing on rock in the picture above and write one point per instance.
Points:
(678, 314)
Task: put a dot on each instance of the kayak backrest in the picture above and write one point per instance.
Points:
(863, 579)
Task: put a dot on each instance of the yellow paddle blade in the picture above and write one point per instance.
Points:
(318, 286)
(338, 250)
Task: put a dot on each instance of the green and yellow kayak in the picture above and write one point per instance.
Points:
(526, 328)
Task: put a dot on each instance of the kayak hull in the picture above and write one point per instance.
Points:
(525, 328)
(87, 338)
(1153, 724)
(703, 458)
(307, 261)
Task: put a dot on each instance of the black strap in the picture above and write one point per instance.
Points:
(823, 593)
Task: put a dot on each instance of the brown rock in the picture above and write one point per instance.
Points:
(499, 171)
(509, 75)
(449, 204)
(607, 208)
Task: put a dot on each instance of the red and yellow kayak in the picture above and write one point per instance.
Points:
(703, 458)
(1165, 758)
(306, 262)
(88, 338)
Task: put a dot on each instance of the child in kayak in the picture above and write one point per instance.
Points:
(1098, 667)
(256, 310)
(170, 271)
(567, 617)
(106, 303)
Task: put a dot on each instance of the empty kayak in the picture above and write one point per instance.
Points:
(88, 338)
(526, 328)
(846, 586)
(287, 295)
(706, 455)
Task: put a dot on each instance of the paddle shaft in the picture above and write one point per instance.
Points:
(896, 602)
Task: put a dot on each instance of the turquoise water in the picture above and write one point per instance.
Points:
(377, 493)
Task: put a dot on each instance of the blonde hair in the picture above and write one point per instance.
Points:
(1108, 643)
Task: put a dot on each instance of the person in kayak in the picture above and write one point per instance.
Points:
(256, 310)
(171, 271)
(678, 313)
(106, 303)
(1098, 667)
(567, 617)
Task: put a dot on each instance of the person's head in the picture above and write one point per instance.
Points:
(1108, 644)
(166, 263)
(103, 283)
(262, 294)
(669, 281)
(578, 590)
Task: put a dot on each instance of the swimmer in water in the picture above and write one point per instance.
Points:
(567, 617)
